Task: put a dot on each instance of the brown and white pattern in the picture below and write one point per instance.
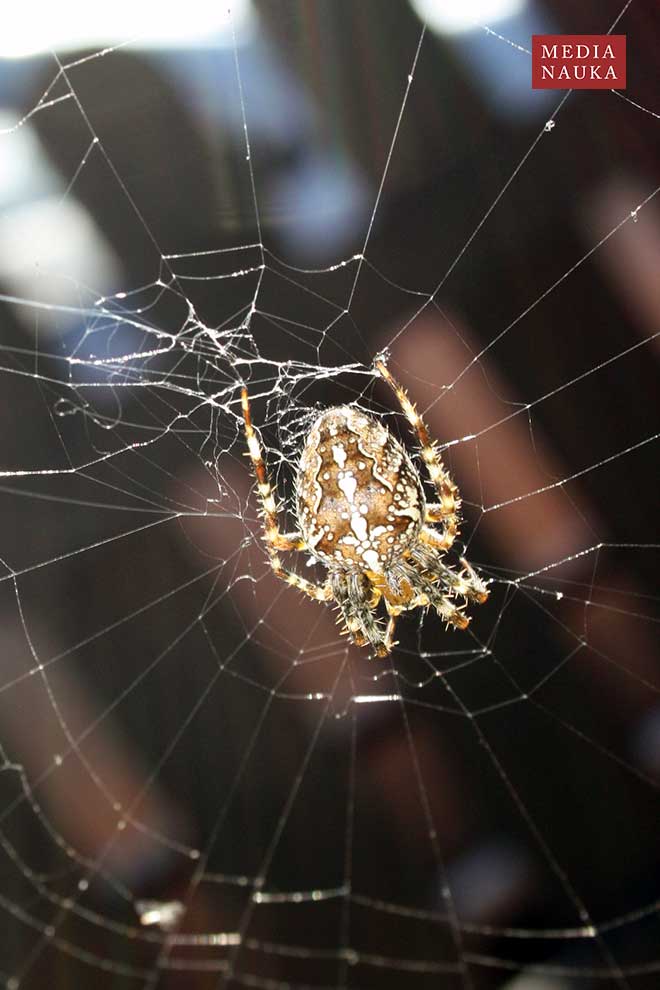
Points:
(360, 502)
(361, 511)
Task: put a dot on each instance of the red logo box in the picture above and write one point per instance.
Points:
(578, 61)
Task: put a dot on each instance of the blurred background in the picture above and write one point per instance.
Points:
(202, 785)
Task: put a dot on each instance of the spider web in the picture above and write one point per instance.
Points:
(203, 784)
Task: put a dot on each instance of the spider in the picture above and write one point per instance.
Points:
(361, 511)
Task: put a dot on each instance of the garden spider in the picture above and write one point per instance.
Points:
(361, 511)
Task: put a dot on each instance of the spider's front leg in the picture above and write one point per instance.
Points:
(275, 540)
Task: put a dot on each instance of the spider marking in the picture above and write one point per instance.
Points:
(361, 511)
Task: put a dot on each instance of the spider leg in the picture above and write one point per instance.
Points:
(464, 584)
(393, 612)
(431, 582)
(358, 599)
(275, 540)
(390, 643)
(478, 591)
(354, 629)
(439, 541)
(435, 513)
(281, 541)
(449, 612)
(319, 592)
(447, 511)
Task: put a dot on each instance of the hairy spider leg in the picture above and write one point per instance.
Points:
(275, 540)
(467, 583)
(393, 613)
(389, 642)
(478, 591)
(357, 599)
(446, 511)
(423, 588)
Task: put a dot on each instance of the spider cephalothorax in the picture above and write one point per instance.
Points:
(361, 511)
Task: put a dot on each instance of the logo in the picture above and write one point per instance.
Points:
(578, 61)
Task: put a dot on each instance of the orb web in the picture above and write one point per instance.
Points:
(204, 783)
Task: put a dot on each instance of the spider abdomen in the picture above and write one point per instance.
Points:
(360, 502)
(360, 509)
